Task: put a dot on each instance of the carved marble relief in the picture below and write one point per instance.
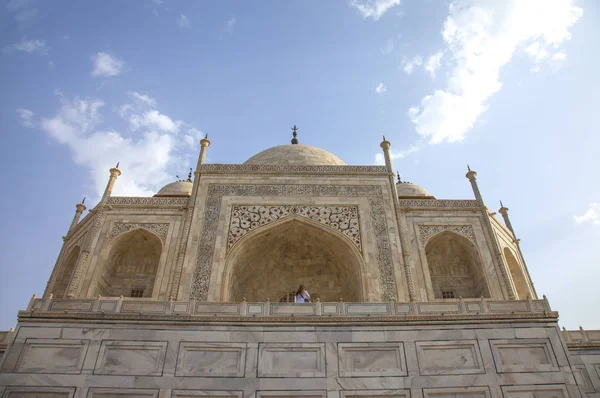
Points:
(159, 229)
(427, 231)
(245, 219)
(212, 209)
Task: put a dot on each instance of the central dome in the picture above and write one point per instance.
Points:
(296, 154)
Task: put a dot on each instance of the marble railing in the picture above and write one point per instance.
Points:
(581, 337)
(459, 307)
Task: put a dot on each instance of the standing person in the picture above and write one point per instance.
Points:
(302, 295)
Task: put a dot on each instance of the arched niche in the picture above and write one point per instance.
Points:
(517, 274)
(131, 265)
(62, 284)
(455, 267)
(274, 260)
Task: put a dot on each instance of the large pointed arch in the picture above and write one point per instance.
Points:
(62, 283)
(516, 272)
(276, 258)
(130, 265)
(455, 267)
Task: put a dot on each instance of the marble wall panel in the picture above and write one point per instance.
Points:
(138, 358)
(211, 359)
(535, 391)
(583, 378)
(292, 394)
(523, 355)
(401, 393)
(218, 308)
(371, 359)
(367, 308)
(38, 392)
(206, 394)
(293, 309)
(71, 305)
(439, 307)
(52, 356)
(449, 357)
(291, 360)
(146, 307)
(457, 392)
(122, 393)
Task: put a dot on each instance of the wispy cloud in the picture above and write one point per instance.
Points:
(592, 215)
(373, 8)
(183, 21)
(26, 117)
(408, 65)
(388, 47)
(149, 156)
(381, 88)
(24, 13)
(433, 63)
(380, 160)
(29, 46)
(480, 38)
(230, 26)
(106, 65)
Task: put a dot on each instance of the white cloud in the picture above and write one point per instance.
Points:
(230, 27)
(480, 38)
(381, 88)
(29, 46)
(592, 215)
(141, 114)
(408, 65)
(559, 56)
(25, 115)
(380, 160)
(388, 48)
(373, 8)
(149, 158)
(107, 65)
(433, 63)
(183, 21)
(145, 99)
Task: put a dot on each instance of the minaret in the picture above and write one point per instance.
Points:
(80, 209)
(385, 145)
(472, 176)
(504, 211)
(204, 144)
(114, 174)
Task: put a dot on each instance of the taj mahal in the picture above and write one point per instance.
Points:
(190, 293)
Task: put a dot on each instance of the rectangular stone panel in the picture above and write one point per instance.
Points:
(122, 393)
(211, 359)
(180, 308)
(71, 305)
(583, 378)
(107, 306)
(292, 309)
(535, 391)
(449, 357)
(52, 356)
(404, 308)
(457, 392)
(292, 394)
(367, 308)
(206, 394)
(508, 306)
(473, 307)
(38, 392)
(255, 309)
(135, 358)
(438, 307)
(375, 393)
(218, 308)
(330, 309)
(145, 307)
(523, 355)
(371, 359)
(291, 360)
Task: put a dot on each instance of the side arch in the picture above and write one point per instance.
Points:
(62, 283)
(455, 267)
(516, 272)
(274, 259)
(130, 264)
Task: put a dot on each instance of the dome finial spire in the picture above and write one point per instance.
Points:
(398, 174)
(295, 134)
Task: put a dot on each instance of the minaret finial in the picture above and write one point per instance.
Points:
(501, 205)
(83, 201)
(177, 176)
(206, 136)
(117, 165)
(190, 175)
(384, 138)
(398, 174)
(468, 168)
(295, 134)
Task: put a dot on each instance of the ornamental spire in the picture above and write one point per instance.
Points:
(295, 134)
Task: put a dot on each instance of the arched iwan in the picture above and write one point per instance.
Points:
(62, 282)
(455, 267)
(275, 259)
(130, 267)
(516, 272)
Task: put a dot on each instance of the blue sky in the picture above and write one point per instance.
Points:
(509, 87)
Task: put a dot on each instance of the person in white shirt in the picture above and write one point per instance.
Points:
(302, 295)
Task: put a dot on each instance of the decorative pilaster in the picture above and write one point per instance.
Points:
(504, 212)
(187, 219)
(472, 177)
(401, 223)
(93, 233)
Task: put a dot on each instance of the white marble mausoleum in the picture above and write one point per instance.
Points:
(189, 293)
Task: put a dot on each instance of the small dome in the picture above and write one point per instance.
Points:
(177, 188)
(296, 154)
(409, 190)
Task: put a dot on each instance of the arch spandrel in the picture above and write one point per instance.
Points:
(62, 283)
(276, 258)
